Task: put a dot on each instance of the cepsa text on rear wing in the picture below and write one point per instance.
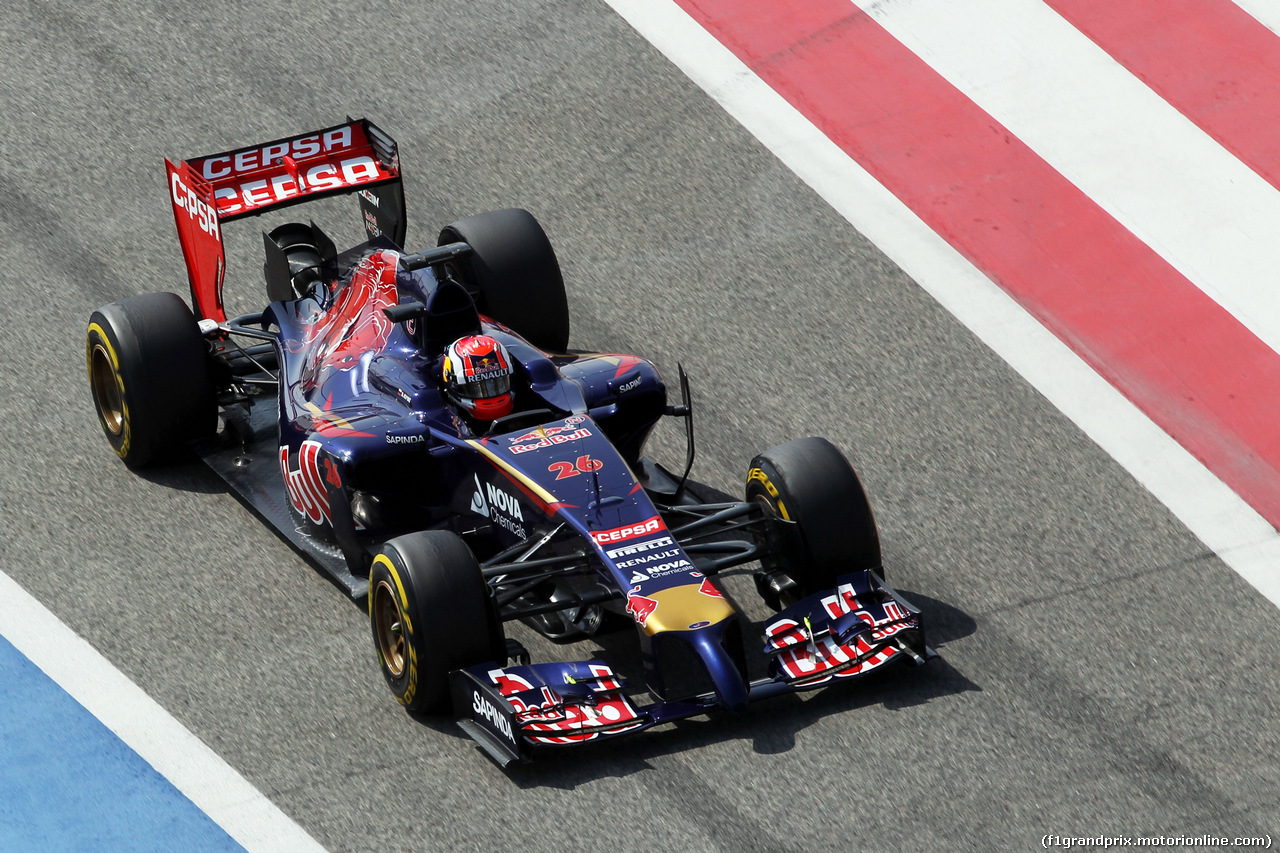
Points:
(209, 191)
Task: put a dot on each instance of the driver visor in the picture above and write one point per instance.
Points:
(493, 386)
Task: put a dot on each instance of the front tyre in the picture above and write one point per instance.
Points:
(150, 377)
(810, 483)
(430, 613)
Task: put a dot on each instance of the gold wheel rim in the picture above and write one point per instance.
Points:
(387, 624)
(106, 389)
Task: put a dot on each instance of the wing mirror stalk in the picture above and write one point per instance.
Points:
(684, 410)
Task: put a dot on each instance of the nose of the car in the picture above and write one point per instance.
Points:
(725, 676)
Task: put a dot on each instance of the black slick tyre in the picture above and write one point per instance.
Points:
(430, 613)
(150, 377)
(514, 275)
(809, 482)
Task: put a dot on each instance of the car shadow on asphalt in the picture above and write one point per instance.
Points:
(193, 476)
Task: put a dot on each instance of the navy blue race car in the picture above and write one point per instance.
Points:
(417, 426)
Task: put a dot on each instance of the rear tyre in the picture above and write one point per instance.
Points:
(430, 613)
(809, 482)
(514, 274)
(150, 377)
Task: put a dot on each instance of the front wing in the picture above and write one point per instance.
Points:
(861, 626)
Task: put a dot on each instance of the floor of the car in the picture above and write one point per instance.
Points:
(253, 473)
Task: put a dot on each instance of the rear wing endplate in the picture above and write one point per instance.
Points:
(208, 191)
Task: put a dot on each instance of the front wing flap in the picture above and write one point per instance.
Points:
(508, 710)
(860, 626)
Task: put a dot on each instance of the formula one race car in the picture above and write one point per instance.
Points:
(415, 424)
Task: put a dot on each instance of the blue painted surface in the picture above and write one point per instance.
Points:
(67, 783)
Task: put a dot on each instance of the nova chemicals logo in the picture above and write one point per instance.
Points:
(478, 504)
(504, 501)
(499, 506)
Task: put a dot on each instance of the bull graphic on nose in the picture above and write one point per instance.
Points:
(640, 607)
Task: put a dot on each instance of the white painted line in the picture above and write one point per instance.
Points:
(1214, 513)
(1265, 12)
(1166, 180)
(148, 729)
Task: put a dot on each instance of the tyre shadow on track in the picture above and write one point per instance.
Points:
(193, 476)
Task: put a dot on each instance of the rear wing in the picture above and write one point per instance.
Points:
(208, 191)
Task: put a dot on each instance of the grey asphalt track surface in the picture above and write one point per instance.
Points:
(1101, 671)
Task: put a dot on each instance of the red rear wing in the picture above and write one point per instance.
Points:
(207, 191)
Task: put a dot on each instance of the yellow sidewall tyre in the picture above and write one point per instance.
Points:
(808, 481)
(430, 613)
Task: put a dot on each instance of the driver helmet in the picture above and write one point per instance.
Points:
(477, 375)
